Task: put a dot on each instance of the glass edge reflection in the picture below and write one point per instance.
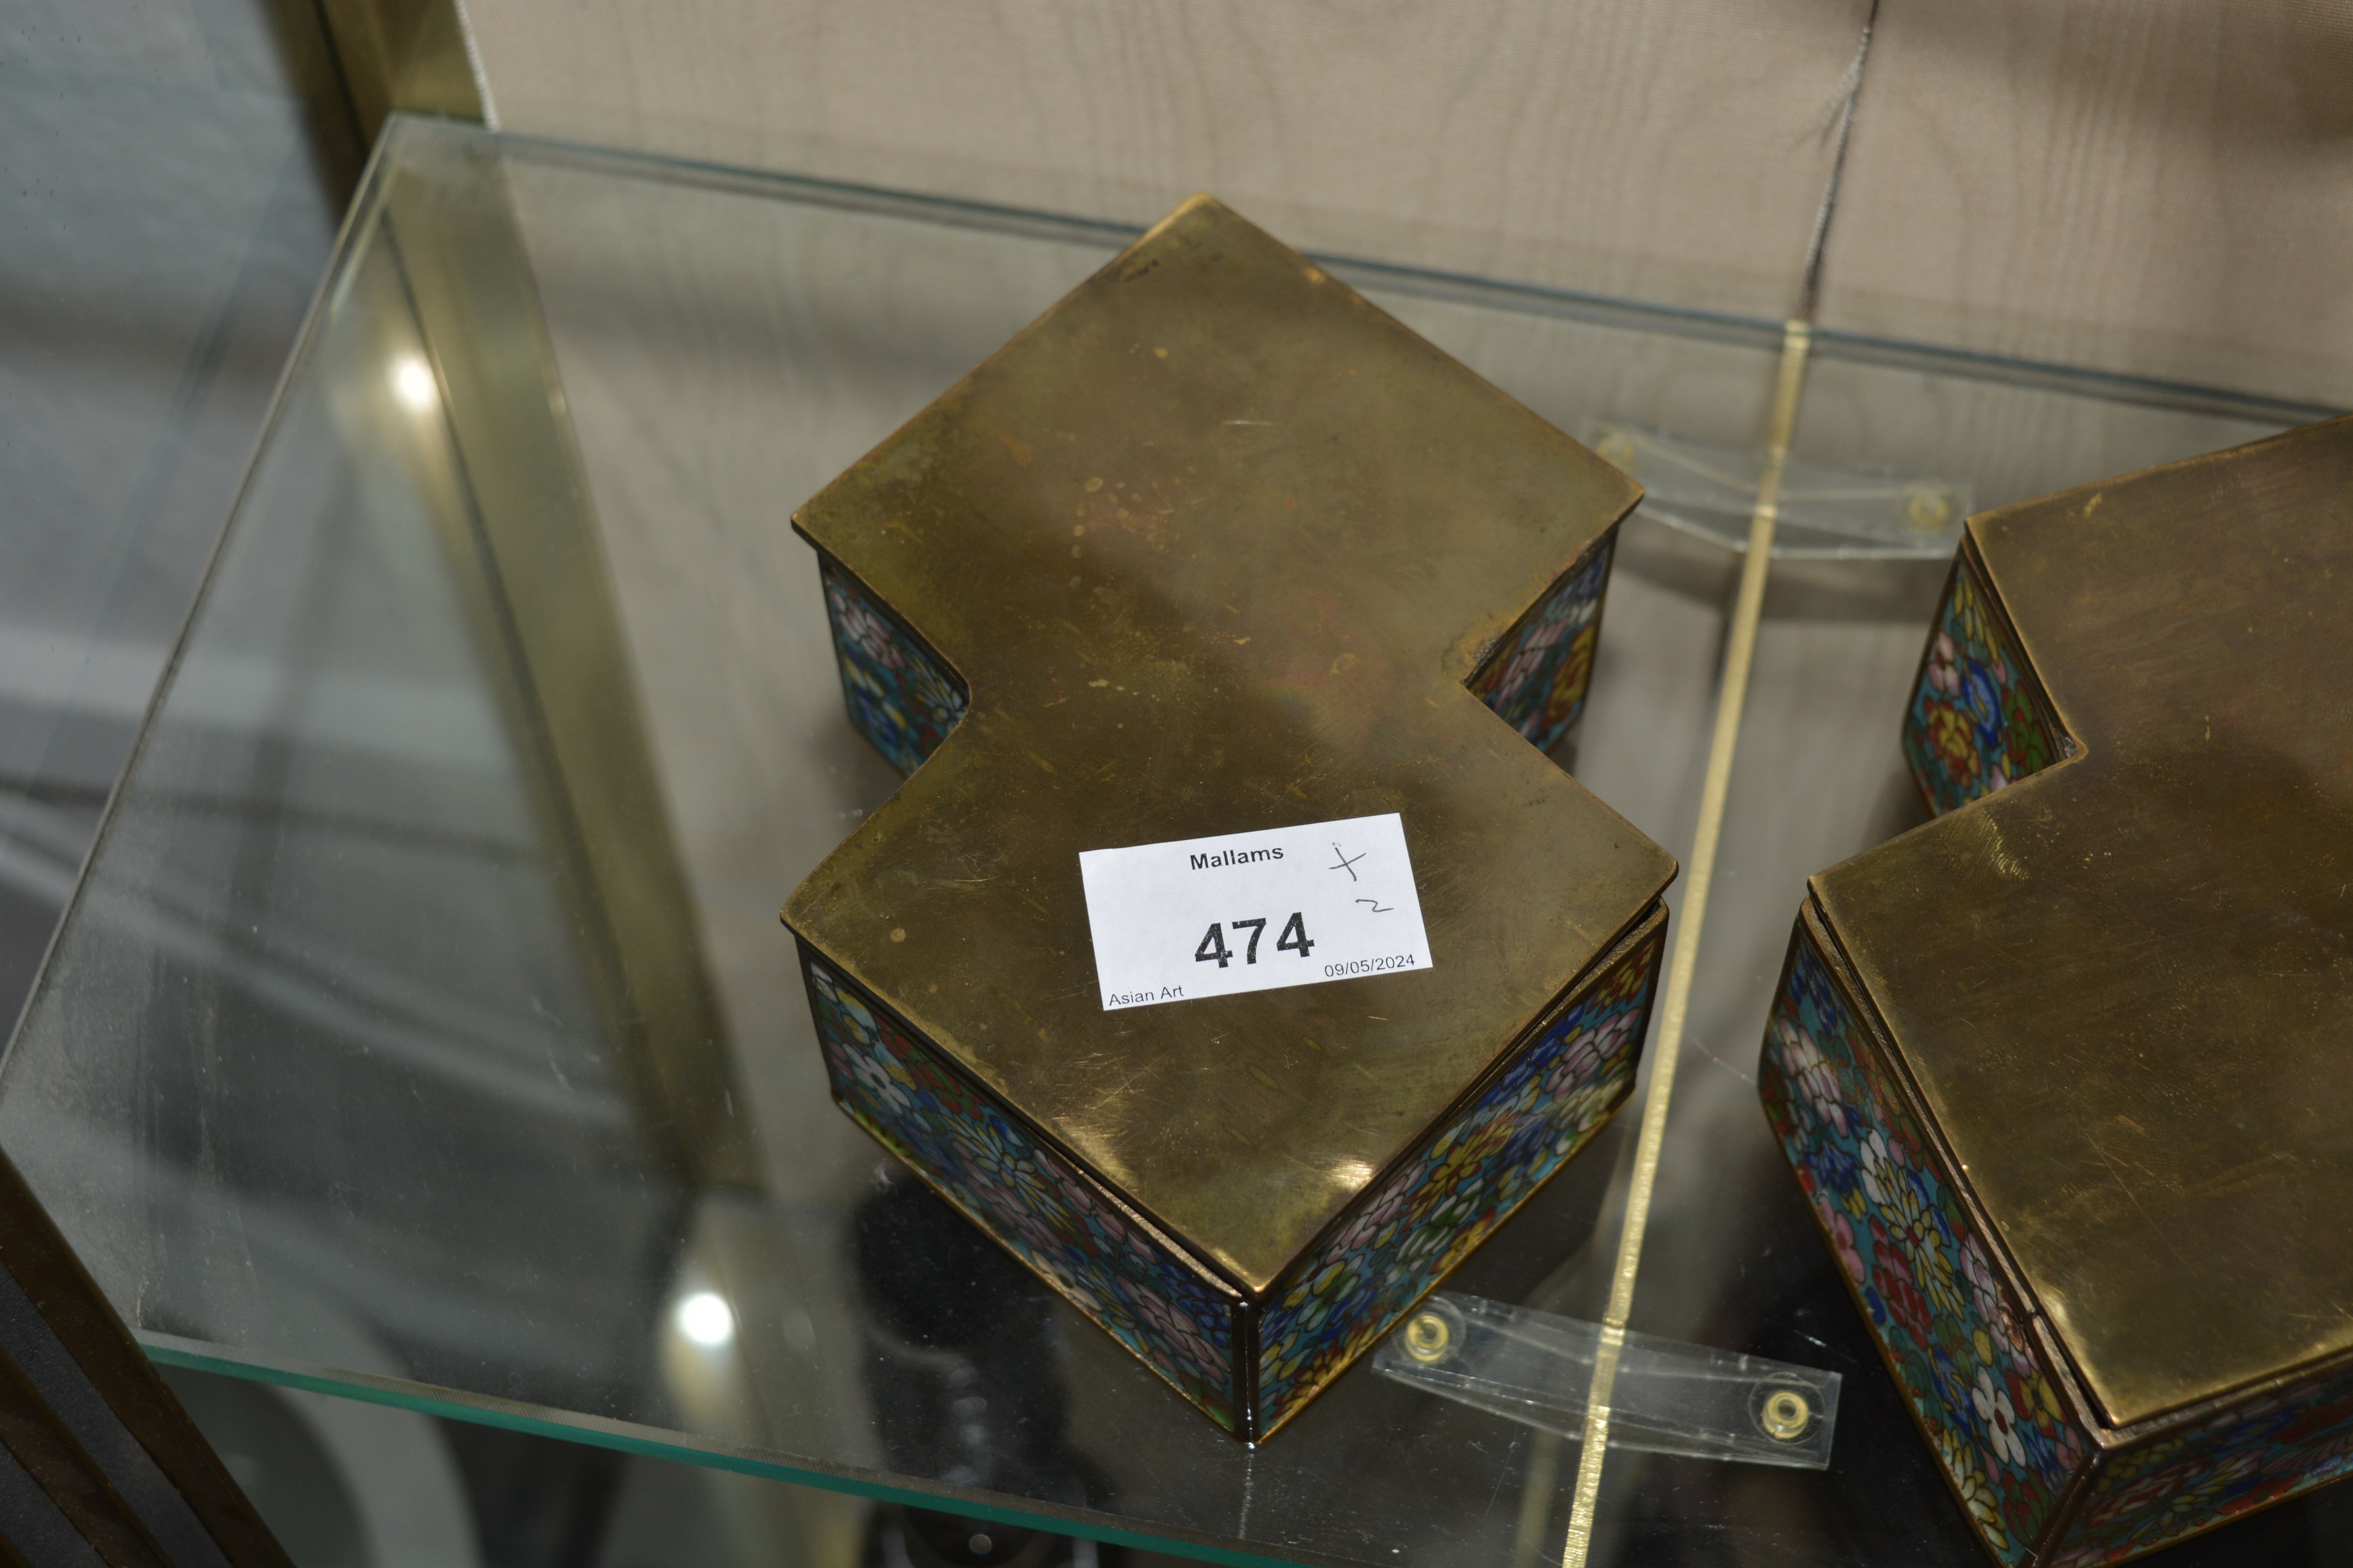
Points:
(1729, 328)
(629, 1437)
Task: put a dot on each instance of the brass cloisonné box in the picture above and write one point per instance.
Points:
(2067, 1073)
(1216, 546)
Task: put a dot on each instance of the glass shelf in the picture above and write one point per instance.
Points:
(422, 1031)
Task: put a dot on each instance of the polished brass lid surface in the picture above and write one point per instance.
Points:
(1214, 544)
(2124, 985)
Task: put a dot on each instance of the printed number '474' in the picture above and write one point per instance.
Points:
(1213, 947)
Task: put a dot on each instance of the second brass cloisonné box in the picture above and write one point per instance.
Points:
(2067, 1073)
(1216, 547)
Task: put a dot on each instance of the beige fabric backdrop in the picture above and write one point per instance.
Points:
(2163, 186)
(2160, 186)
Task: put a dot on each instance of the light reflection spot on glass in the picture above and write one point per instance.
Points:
(706, 1319)
(412, 381)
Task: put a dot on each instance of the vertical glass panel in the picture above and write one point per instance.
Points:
(318, 1066)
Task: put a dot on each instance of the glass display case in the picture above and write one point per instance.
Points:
(422, 1031)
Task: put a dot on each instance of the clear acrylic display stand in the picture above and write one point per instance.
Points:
(1668, 1397)
(1824, 512)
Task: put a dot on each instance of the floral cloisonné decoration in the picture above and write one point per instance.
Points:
(900, 696)
(1974, 724)
(2247, 1457)
(1092, 1250)
(1404, 1236)
(1963, 1359)
(1535, 679)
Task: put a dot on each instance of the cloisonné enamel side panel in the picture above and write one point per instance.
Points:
(1955, 1343)
(900, 696)
(1407, 1232)
(2249, 1455)
(1537, 676)
(1975, 724)
(1098, 1254)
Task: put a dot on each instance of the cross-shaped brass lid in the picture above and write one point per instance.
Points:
(2124, 986)
(1214, 546)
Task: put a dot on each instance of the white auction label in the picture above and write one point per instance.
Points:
(1251, 911)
